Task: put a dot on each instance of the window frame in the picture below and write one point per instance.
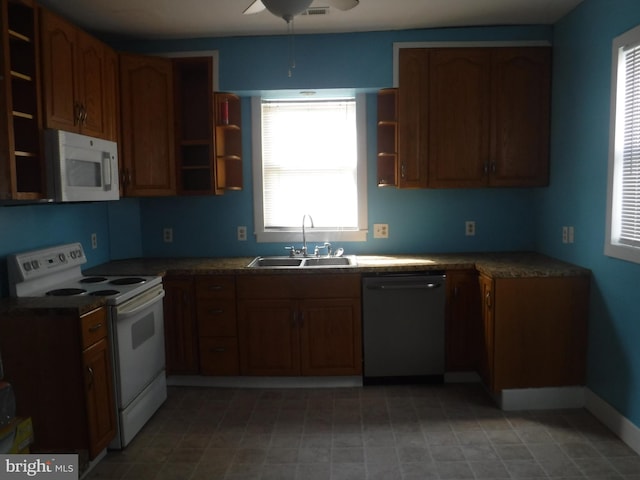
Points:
(293, 235)
(613, 247)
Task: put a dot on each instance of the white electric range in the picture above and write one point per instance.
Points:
(136, 325)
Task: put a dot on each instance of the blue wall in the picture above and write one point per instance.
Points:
(577, 195)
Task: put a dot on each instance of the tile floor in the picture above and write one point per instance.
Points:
(387, 433)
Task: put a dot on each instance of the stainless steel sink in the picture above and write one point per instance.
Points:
(275, 262)
(303, 262)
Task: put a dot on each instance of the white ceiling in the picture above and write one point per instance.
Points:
(156, 19)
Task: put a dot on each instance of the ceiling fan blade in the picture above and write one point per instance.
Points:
(256, 7)
(344, 4)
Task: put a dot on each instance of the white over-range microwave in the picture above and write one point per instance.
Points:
(81, 168)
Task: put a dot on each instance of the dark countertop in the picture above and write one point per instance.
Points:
(496, 265)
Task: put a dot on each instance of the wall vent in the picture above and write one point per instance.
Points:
(316, 11)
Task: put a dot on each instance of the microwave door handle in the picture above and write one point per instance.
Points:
(106, 171)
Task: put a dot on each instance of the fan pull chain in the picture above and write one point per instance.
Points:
(292, 46)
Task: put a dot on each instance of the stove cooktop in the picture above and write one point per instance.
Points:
(56, 271)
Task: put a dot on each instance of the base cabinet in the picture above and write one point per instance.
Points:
(181, 342)
(59, 365)
(217, 329)
(292, 325)
(534, 331)
(463, 327)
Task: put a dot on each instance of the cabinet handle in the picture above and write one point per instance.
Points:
(216, 287)
(485, 168)
(85, 114)
(301, 323)
(493, 167)
(77, 118)
(95, 328)
(216, 311)
(218, 350)
(403, 170)
(90, 370)
(294, 318)
(488, 299)
(455, 291)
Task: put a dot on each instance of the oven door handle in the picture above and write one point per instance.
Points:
(146, 299)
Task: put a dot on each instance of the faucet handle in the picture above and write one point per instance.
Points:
(326, 245)
(292, 250)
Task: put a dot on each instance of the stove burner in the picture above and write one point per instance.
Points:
(93, 279)
(127, 281)
(65, 292)
(104, 293)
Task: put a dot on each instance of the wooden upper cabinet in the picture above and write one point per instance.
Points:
(413, 118)
(474, 117)
(459, 109)
(521, 117)
(148, 137)
(78, 90)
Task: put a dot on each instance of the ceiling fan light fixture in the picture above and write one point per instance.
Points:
(286, 9)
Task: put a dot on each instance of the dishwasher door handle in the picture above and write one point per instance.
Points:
(406, 286)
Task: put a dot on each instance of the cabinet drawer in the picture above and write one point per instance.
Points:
(217, 318)
(219, 356)
(216, 287)
(94, 327)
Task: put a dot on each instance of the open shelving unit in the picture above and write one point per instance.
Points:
(387, 137)
(228, 142)
(22, 167)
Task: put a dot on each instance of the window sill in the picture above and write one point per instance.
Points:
(622, 252)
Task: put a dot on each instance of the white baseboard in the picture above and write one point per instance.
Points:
(264, 382)
(628, 432)
(541, 398)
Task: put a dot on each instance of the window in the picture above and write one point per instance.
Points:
(623, 209)
(309, 158)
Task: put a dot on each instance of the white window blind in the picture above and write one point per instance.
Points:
(630, 161)
(623, 208)
(309, 164)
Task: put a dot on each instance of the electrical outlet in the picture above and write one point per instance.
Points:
(570, 236)
(380, 230)
(242, 233)
(565, 234)
(167, 235)
(470, 228)
(94, 240)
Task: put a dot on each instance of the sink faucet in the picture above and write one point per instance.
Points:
(304, 234)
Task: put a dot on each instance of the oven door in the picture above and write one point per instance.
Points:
(138, 331)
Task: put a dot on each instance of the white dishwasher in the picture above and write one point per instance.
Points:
(403, 327)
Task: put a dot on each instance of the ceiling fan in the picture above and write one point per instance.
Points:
(287, 9)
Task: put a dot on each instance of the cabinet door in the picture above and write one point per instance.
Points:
(413, 118)
(520, 129)
(101, 419)
(331, 337)
(487, 346)
(464, 331)
(112, 95)
(59, 72)
(268, 337)
(146, 89)
(91, 85)
(181, 350)
(459, 116)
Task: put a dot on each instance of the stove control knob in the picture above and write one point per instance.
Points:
(62, 257)
(35, 264)
(26, 266)
(72, 254)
